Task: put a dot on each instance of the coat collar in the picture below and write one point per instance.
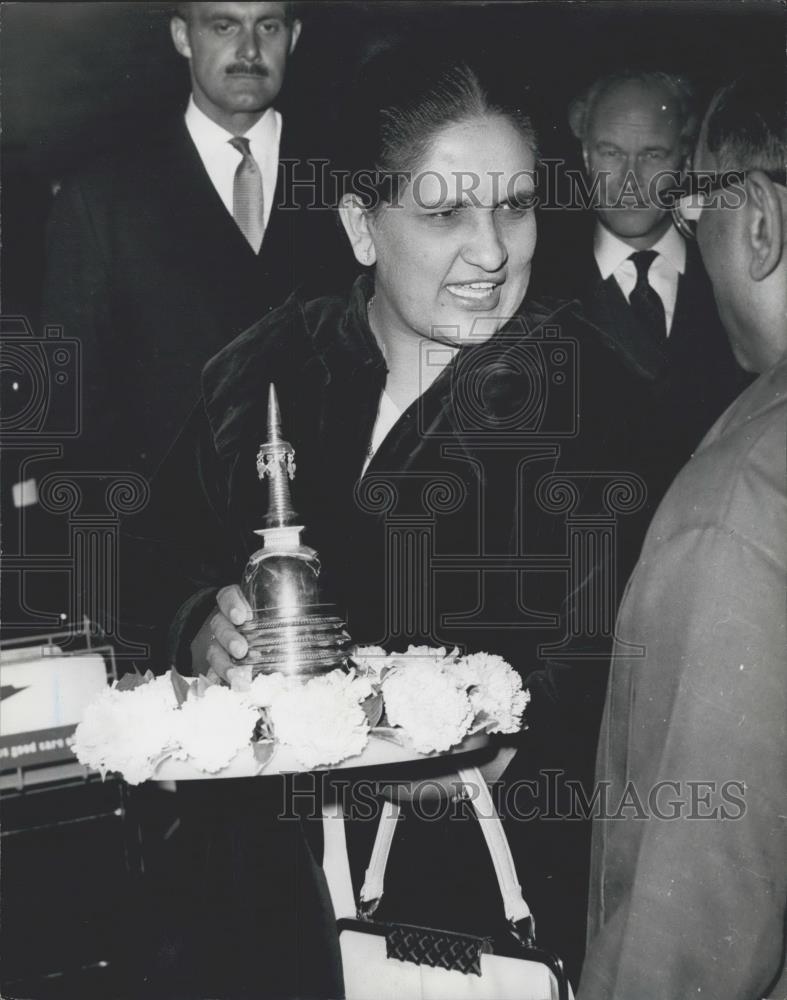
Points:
(305, 347)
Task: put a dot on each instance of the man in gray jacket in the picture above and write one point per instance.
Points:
(688, 879)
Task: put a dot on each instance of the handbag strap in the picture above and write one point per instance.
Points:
(374, 877)
(337, 869)
(335, 862)
(514, 904)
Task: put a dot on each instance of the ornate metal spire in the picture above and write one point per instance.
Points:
(276, 459)
(294, 629)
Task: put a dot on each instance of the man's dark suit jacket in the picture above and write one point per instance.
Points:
(683, 386)
(147, 269)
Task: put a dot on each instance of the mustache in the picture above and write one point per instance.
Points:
(246, 69)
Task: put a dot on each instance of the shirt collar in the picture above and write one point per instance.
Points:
(610, 251)
(207, 134)
(672, 247)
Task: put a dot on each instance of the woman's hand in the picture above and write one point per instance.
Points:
(218, 640)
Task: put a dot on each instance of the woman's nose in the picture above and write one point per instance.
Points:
(485, 248)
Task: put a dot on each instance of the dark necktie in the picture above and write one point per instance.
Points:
(645, 301)
(247, 198)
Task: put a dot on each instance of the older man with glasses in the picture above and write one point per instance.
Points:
(641, 284)
(688, 887)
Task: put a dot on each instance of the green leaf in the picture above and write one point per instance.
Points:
(130, 681)
(199, 687)
(180, 684)
(390, 735)
(373, 707)
(482, 721)
(263, 730)
(263, 752)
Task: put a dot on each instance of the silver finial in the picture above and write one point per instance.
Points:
(276, 460)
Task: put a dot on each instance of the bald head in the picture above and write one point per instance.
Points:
(636, 134)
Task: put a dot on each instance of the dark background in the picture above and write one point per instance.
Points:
(81, 78)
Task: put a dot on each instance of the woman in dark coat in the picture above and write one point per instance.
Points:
(427, 409)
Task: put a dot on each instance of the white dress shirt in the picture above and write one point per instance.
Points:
(221, 160)
(612, 258)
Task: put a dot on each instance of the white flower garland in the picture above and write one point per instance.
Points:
(432, 698)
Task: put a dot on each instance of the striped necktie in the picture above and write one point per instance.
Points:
(645, 301)
(248, 201)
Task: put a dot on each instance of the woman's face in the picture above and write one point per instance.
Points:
(454, 251)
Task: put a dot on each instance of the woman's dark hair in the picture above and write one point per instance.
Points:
(401, 102)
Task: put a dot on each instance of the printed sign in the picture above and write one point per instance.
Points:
(41, 702)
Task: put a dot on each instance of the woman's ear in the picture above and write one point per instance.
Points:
(355, 219)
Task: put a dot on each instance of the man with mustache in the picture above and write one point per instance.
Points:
(237, 54)
(157, 260)
(161, 256)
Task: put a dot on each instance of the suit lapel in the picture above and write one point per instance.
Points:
(695, 325)
(280, 218)
(201, 220)
(428, 418)
(628, 336)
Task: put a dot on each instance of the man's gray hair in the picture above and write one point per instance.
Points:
(678, 87)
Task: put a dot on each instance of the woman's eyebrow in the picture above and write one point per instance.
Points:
(443, 203)
(470, 199)
(517, 197)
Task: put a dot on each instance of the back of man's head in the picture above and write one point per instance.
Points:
(745, 126)
(744, 245)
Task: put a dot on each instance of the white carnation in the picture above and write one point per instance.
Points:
(495, 689)
(360, 686)
(422, 698)
(239, 678)
(266, 688)
(128, 731)
(371, 659)
(159, 689)
(322, 720)
(432, 652)
(212, 728)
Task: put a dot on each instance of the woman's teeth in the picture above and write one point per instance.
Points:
(473, 289)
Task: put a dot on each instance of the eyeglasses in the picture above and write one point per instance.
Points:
(713, 191)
